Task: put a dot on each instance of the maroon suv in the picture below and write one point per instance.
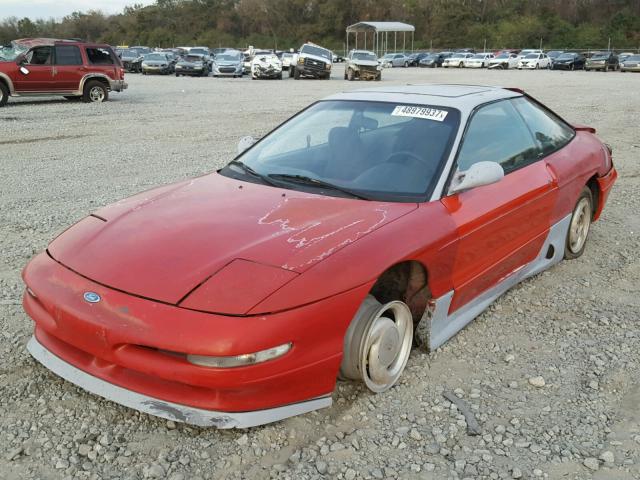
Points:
(72, 69)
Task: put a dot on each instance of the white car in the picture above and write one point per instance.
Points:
(528, 51)
(286, 58)
(266, 65)
(479, 60)
(456, 60)
(534, 61)
(391, 60)
(504, 60)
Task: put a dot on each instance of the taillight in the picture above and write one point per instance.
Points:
(121, 73)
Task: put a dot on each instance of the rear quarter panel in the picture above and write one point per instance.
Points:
(573, 165)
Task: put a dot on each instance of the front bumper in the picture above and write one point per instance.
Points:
(191, 70)
(125, 342)
(266, 73)
(630, 69)
(313, 73)
(164, 409)
(160, 70)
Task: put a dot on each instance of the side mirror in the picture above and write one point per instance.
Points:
(245, 143)
(479, 174)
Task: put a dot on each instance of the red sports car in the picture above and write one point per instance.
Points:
(237, 298)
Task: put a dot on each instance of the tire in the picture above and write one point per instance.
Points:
(95, 92)
(572, 67)
(296, 74)
(280, 76)
(4, 94)
(537, 66)
(291, 71)
(461, 65)
(350, 75)
(177, 74)
(578, 232)
(377, 345)
(378, 78)
(406, 64)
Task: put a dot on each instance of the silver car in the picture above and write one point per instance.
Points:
(395, 60)
(228, 64)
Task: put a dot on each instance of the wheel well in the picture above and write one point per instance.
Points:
(405, 281)
(99, 79)
(4, 82)
(595, 193)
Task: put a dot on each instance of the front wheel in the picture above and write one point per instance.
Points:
(377, 344)
(296, 75)
(95, 92)
(406, 64)
(350, 75)
(579, 226)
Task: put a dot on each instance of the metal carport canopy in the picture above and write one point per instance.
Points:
(380, 32)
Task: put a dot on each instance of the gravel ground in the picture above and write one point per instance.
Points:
(551, 370)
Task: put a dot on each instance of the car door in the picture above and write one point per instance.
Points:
(36, 71)
(68, 68)
(502, 226)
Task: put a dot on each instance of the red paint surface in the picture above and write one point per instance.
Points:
(293, 268)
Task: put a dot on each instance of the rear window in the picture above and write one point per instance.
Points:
(68, 55)
(100, 56)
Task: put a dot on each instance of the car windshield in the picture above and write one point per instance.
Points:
(222, 57)
(554, 53)
(287, 55)
(600, 57)
(633, 58)
(479, 55)
(201, 51)
(458, 55)
(11, 51)
(389, 55)
(531, 55)
(193, 58)
(318, 51)
(375, 150)
(364, 56)
(504, 55)
(155, 57)
(567, 56)
(129, 53)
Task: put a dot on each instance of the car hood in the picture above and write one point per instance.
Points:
(163, 243)
(364, 63)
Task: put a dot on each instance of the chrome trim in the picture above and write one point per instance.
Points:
(163, 408)
(442, 326)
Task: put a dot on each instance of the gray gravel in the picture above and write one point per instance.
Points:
(550, 371)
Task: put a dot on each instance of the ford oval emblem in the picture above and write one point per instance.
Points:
(92, 297)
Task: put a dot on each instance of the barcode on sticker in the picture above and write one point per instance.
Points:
(420, 112)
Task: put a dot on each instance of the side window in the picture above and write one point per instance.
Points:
(68, 55)
(39, 56)
(550, 132)
(99, 56)
(497, 133)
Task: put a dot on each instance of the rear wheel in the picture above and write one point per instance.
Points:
(4, 94)
(579, 226)
(378, 344)
(95, 92)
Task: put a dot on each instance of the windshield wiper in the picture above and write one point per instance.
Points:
(316, 182)
(253, 173)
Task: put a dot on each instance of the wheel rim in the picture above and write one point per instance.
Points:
(96, 94)
(386, 346)
(580, 223)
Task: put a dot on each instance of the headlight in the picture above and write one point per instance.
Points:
(327, 66)
(240, 360)
(301, 61)
(178, 66)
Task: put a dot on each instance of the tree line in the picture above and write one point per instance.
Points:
(283, 24)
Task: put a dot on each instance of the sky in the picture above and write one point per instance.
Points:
(59, 8)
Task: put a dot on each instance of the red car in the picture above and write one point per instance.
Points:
(46, 66)
(237, 298)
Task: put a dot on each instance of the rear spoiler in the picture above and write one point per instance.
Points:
(583, 128)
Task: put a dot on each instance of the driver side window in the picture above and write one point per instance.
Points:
(497, 133)
(39, 56)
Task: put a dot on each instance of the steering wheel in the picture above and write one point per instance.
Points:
(395, 157)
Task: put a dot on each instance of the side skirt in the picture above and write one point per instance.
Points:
(442, 326)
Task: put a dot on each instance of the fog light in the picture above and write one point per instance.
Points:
(240, 360)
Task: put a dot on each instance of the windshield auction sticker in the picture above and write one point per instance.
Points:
(420, 112)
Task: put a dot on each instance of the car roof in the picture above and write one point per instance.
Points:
(462, 97)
